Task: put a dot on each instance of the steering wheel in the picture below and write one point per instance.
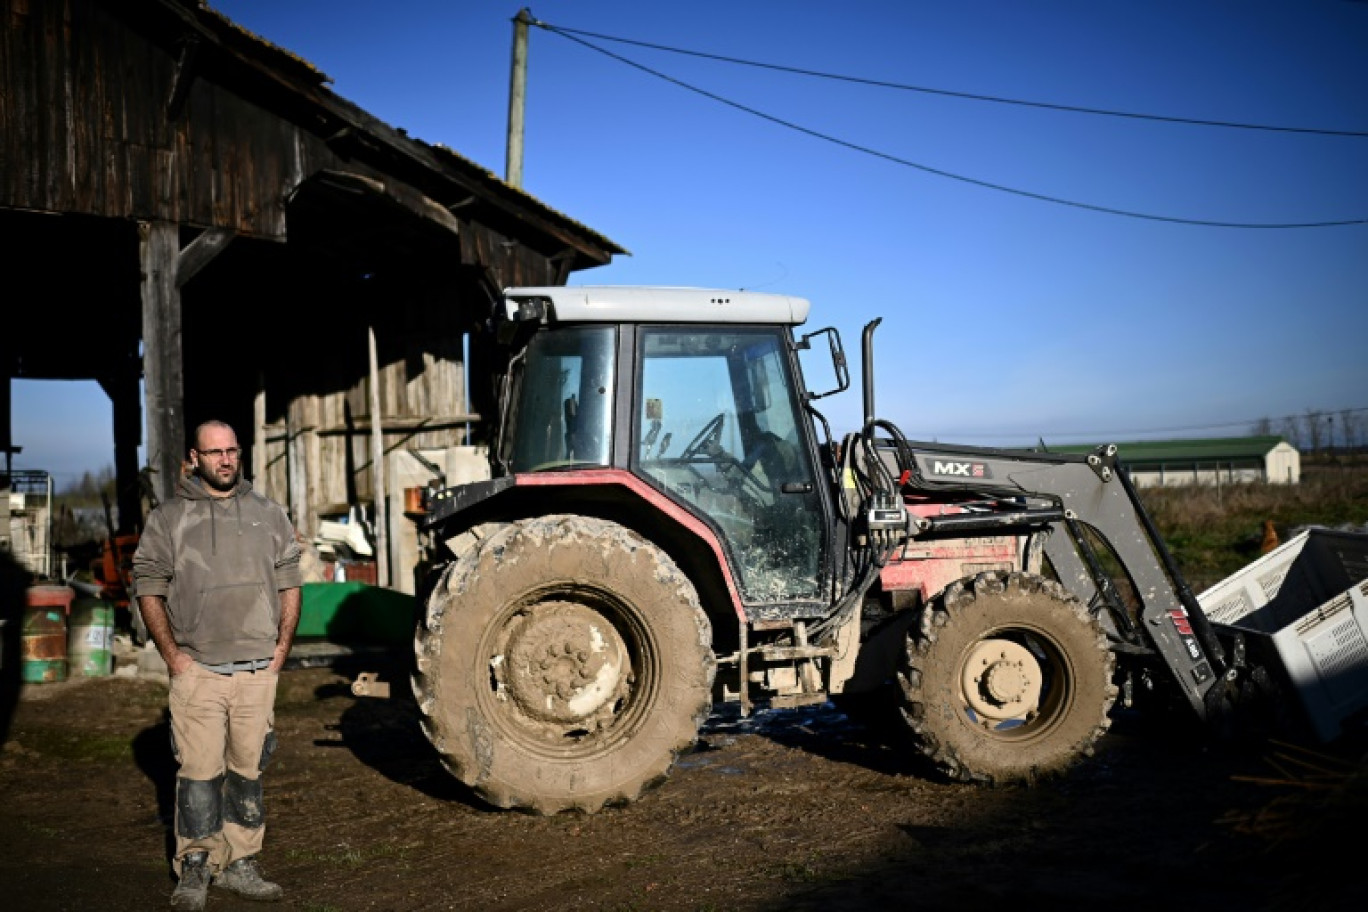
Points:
(707, 439)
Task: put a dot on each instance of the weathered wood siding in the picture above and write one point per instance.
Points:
(85, 127)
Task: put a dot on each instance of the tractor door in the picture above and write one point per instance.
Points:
(719, 429)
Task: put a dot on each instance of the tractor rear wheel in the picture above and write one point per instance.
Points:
(1007, 678)
(564, 662)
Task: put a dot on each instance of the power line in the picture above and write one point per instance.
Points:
(949, 93)
(938, 172)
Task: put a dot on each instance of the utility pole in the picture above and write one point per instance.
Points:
(517, 98)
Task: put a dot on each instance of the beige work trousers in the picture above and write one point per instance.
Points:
(219, 723)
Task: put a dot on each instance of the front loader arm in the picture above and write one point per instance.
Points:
(1063, 498)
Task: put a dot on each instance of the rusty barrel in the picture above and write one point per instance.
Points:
(44, 641)
(90, 638)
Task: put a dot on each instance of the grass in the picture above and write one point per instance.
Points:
(46, 832)
(1214, 532)
(66, 745)
(803, 871)
(645, 861)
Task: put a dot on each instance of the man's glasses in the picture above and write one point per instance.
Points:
(232, 453)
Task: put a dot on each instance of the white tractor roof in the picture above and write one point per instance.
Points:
(649, 304)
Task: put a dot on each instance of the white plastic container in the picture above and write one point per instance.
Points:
(1308, 601)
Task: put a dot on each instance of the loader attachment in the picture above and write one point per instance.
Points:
(1104, 548)
(1303, 610)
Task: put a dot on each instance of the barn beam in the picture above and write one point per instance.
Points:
(200, 253)
(393, 192)
(122, 390)
(183, 77)
(163, 366)
(7, 448)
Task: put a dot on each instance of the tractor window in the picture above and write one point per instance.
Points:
(564, 397)
(719, 430)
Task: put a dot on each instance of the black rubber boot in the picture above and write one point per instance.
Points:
(244, 878)
(193, 889)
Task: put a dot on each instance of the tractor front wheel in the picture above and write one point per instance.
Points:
(1007, 678)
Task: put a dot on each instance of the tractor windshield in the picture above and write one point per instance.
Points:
(564, 396)
(719, 430)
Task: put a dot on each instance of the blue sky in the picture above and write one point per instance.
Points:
(1006, 319)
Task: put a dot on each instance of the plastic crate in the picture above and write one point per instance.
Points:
(1308, 601)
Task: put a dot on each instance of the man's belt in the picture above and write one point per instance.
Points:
(227, 668)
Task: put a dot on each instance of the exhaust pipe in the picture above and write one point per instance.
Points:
(868, 368)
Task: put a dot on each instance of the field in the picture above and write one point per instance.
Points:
(1213, 531)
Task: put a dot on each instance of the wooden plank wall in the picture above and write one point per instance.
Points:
(316, 454)
(84, 127)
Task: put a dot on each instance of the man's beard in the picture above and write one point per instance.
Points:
(211, 479)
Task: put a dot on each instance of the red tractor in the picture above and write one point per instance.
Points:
(670, 523)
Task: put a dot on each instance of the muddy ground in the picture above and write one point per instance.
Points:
(792, 810)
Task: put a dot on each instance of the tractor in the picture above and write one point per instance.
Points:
(670, 524)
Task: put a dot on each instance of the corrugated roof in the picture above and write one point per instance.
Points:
(1210, 449)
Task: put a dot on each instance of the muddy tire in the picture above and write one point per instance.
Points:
(1006, 679)
(563, 664)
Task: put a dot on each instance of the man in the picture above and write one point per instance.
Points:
(217, 580)
(14, 580)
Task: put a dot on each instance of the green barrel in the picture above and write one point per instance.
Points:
(44, 645)
(90, 640)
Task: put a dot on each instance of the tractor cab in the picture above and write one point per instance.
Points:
(697, 393)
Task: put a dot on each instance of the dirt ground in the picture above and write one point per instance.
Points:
(800, 809)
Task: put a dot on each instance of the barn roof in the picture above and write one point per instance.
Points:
(1199, 450)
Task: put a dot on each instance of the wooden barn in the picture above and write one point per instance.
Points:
(193, 219)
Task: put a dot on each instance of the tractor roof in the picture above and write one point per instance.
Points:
(647, 304)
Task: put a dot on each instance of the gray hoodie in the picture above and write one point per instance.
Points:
(220, 563)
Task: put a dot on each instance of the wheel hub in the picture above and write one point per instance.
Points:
(565, 664)
(1001, 681)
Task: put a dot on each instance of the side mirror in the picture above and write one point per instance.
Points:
(840, 370)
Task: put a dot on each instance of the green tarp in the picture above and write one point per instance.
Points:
(356, 613)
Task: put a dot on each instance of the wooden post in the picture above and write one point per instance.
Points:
(163, 368)
(298, 464)
(6, 432)
(259, 437)
(122, 390)
(378, 470)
